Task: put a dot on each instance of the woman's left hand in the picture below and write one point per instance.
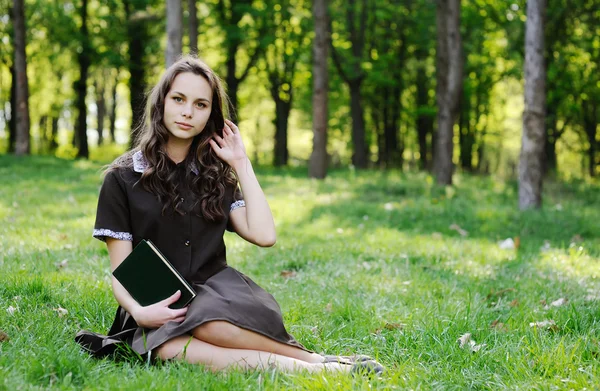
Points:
(229, 148)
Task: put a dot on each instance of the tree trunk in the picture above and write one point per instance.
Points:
(232, 81)
(54, 134)
(112, 115)
(12, 123)
(449, 80)
(360, 156)
(590, 126)
(318, 157)
(424, 121)
(81, 85)
(174, 31)
(282, 113)
(532, 145)
(101, 110)
(137, 35)
(193, 26)
(22, 146)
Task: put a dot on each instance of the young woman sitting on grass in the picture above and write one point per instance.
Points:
(179, 189)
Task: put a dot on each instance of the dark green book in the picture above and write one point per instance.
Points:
(149, 277)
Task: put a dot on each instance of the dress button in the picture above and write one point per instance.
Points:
(187, 242)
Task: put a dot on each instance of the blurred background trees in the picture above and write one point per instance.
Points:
(390, 102)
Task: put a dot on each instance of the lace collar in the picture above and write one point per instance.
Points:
(140, 164)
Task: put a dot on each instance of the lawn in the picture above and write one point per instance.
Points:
(380, 263)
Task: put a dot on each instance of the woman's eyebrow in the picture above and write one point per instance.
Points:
(182, 94)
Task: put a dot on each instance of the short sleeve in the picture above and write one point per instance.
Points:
(237, 202)
(112, 215)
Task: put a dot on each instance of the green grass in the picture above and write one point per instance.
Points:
(369, 249)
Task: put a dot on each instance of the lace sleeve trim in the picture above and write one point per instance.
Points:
(102, 234)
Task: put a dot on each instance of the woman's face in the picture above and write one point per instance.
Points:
(187, 106)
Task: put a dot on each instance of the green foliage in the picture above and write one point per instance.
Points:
(379, 271)
(396, 59)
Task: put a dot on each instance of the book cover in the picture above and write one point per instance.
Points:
(149, 277)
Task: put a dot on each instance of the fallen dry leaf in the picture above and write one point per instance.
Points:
(465, 341)
(61, 311)
(388, 206)
(545, 324)
(390, 326)
(560, 302)
(288, 274)
(496, 324)
(3, 336)
(507, 244)
(499, 293)
(11, 310)
(517, 241)
(456, 228)
(514, 303)
(329, 307)
(62, 264)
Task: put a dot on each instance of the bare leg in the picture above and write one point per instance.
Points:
(227, 335)
(217, 358)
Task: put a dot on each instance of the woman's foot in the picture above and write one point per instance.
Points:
(346, 359)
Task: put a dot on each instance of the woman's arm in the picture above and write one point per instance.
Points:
(255, 221)
(152, 316)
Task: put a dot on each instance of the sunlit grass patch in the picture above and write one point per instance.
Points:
(381, 263)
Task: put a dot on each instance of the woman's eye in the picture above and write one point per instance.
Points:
(201, 105)
(177, 99)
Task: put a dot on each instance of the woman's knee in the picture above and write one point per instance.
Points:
(219, 331)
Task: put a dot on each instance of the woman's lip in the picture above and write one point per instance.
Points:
(184, 125)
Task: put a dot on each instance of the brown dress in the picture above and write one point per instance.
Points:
(196, 249)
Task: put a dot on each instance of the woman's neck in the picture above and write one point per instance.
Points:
(177, 150)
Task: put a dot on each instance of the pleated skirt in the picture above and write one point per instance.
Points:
(227, 296)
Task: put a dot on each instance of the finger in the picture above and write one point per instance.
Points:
(214, 145)
(219, 140)
(172, 299)
(227, 131)
(179, 312)
(233, 126)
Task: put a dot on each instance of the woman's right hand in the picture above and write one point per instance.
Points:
(155, 315)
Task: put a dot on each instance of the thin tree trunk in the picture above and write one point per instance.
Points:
(318, 157)
(232, 81)
(532, 145)
(360, 156)
(424, 121)
(81, 85)
(112, 114)
(22, 143)
(174, 31)
(449, 79)
(54, 134)
(137, 36)
(193, 26)
(101, 110)
(12, 123)
(282, 113)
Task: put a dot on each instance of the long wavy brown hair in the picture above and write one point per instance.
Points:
(160, 178)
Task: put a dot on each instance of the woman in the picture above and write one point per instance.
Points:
(179, 189)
